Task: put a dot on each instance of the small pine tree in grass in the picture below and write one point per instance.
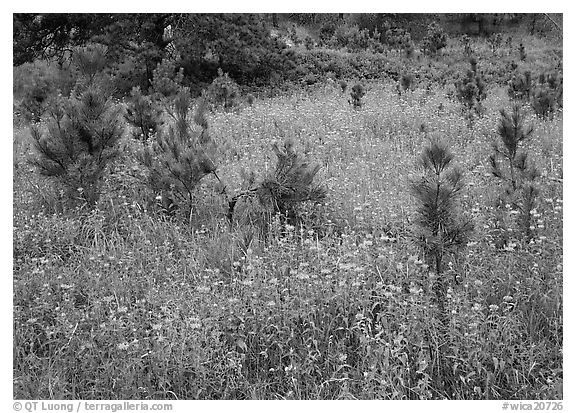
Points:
(143, 114)
(471, 90)
(440, 231)
(467, 43)
(495, 41)
(512, 168)
(522, 52)
(291, 183)
(520, 86)
(180, 157)
(356, 96)
(223, 91)
(81, 140)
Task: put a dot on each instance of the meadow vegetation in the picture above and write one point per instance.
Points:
(387, 237)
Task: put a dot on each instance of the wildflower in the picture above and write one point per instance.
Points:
(493, 307)
(194, 323)
(507, 298)
(123, 346)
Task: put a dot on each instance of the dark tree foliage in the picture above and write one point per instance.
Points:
(51, 35)
(239, 44)
(138, 42)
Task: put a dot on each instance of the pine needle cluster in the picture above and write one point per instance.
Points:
(471, 90)
(81, 140)
(143, 114)
(511, 167)
(179, 157)
(440, 230)
(291, 183)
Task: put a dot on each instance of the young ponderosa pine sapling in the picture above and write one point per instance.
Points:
(143, 114)
(512, 168)
(81, 140)
(471, 90)
(180, 157)
(223, 91)
(440, 231)
(292, 183)
(356, 96)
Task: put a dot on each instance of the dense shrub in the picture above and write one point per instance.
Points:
(435, 40)
(495, 42)
(35, 82)
(356, 95)
(223, 91)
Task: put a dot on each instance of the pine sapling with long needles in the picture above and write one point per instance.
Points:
(511, 167)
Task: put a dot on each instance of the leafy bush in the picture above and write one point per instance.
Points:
(34, 83)
(167, 79)
(327, 31)
(223, 91)
(406, 83)
(435, 40)
(356, 95)
(495, 42)
(81, 140)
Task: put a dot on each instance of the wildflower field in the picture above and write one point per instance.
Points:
(125, 301)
